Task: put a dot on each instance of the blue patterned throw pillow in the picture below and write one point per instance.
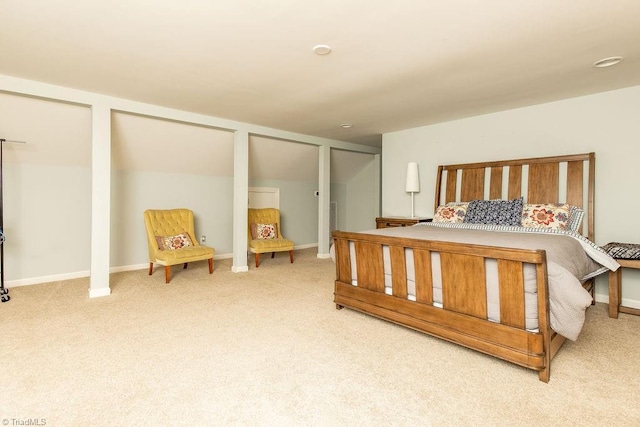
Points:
(498, 212)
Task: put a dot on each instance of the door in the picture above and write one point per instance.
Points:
(264, 197)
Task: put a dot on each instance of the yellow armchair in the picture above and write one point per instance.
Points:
(162, 225)
(265, 216)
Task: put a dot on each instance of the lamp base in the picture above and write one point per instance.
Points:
(412, 206)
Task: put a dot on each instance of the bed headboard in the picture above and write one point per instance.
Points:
(557, 179)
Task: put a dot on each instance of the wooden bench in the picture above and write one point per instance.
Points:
(628, 256)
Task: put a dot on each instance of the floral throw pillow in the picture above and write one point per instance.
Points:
(451, 212)
(178, 241)
(495, 212)
(264, 231)
(545, 215)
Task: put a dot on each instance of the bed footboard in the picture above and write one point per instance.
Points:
(462, 315)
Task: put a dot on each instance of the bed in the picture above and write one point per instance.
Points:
(513, 292)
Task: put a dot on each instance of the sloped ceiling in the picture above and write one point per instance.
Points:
(56, 133)
(394, 64)
(148, 144)
(59, 134)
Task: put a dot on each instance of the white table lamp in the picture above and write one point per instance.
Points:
(413, 182)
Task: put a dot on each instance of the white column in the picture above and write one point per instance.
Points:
(100, 200)
(324, 186)
(377, 183)
(240, 199)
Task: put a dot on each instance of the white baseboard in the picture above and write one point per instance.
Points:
(132, 267)
(627, 302)
(119, 269)
(102, 292)
(46, 279)
(310, 245)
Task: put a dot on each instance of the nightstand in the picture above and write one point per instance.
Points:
(399, 221)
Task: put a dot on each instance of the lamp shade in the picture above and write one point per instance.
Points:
(413, 179)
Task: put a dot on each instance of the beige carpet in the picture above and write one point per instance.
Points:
(268, 347)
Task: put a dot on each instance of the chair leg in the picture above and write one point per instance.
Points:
(185, 266)
(273, 254)
(150, 268)
(257, 260)
(291, 256)
(210, 265)
(167, 274)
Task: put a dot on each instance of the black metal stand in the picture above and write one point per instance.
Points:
(4, 292)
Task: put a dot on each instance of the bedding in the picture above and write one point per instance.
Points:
(571, 259)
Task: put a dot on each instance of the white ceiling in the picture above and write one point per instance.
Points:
(394, 65)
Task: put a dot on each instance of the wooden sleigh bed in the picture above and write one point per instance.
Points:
(461, 318)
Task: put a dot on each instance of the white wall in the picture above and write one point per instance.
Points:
(156, 163)
(363, 200)
(607, 123)
(209, 197)
(47, 220)
(46, 188)
(298, 209)
(339, 195)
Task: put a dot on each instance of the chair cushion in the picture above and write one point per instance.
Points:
(190, 253)
(270, 245)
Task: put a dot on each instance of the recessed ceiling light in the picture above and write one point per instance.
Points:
(322, 49)
(346, 125)
(608, 62)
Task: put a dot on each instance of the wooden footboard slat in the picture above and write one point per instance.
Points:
(343, 260)
(424, 278)
(511, 285)
(370, 266)
(398, 271)
(464, 288)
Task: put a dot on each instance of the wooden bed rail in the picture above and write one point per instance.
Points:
(462, 318)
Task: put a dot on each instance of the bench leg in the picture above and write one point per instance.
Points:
(615, 288)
